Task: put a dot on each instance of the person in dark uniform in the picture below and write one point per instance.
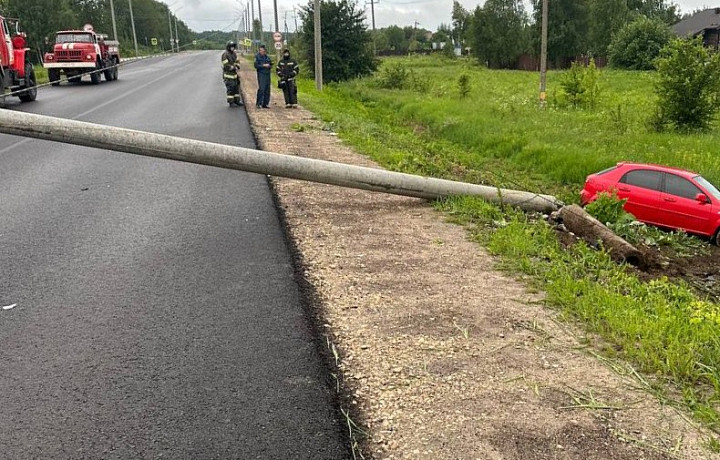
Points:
(263, 64)
(230, 67)
(287, 70)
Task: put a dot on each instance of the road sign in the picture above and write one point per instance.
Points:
(153, 41)
(278, 45)
(277, 36)
(194, 42)
(248, 42)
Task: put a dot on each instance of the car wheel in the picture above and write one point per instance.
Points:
(716, 237)
(30, 94)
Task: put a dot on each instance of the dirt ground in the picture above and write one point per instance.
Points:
(440, 355)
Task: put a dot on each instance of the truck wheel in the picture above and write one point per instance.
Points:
(95, 76)
(108, 71)
(30, 94)
(54, 77)
(116, 63)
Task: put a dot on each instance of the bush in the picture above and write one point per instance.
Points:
(396, 75)
(688, 86)
(393, 75)
(638, 44)
(580, 84)
(464, 85)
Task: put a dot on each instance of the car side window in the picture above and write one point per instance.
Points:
(643, 178)
(678, 186)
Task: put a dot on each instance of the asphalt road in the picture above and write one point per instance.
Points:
(156, 313)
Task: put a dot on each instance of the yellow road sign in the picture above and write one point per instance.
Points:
(153, 41)
(247, 42)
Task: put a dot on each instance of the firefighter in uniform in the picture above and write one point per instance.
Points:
(287, 70)
(230, 67)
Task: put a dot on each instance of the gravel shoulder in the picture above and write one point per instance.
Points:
(441, 356)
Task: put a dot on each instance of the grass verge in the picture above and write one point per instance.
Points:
(661, 327)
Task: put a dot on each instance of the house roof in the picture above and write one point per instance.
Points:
(706, 19)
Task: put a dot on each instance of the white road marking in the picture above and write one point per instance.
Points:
(9, 307)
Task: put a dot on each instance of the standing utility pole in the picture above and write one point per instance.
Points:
(112, 15)
(543, 53)
(318, 48)
(177, 37)
(260, 19)
(132, 20)
(252, 18)
(170, 27)
(372, 11)
(277, 24)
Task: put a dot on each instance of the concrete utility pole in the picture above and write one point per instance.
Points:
(318, 48)
(112, 15)
(177, 37)
(543, 54)
(277, 24)
(172, 48)
(260, 19)
(132, 20)
(256, 161)
(252, 19)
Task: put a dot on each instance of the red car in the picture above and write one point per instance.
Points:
(661, 196)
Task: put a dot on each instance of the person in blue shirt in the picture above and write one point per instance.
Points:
(263, 64)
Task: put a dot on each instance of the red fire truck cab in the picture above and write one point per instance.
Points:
(79, 52)
(17, 75)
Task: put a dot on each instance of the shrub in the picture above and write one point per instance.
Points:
(464, 85)
(581, 85)
(638, 44)
(688, 86)
(393, 75)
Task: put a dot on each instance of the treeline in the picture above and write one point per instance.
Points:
(501, 31)
(40, 19)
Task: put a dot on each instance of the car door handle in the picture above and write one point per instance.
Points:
(623, 189)
(669, 200)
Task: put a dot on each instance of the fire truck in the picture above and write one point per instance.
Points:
(79, 52)
(16, 71)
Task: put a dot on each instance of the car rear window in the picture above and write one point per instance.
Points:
(679, 186)
(644, 178)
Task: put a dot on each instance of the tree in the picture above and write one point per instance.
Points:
(567, 29)
(38, 23)
(346, 43)
(497, 32)
(608, 17)
(638, 44)
(460, 23)
(655, 9)
(688, 85)
(396, 39)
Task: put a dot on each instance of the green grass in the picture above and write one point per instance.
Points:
(498, 135)
(41, 75)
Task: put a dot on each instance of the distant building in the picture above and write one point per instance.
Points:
(704, 23)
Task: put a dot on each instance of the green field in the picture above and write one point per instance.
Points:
(498, 135)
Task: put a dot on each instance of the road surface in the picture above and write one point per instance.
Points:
(155, 309)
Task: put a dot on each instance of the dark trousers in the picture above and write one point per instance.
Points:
(290, 92)
(263, 94)
(233, 89)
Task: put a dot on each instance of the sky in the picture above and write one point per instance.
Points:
(202, 15)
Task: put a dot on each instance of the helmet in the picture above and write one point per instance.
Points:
(230, 44)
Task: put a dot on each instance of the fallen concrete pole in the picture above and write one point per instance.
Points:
(256, 161)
